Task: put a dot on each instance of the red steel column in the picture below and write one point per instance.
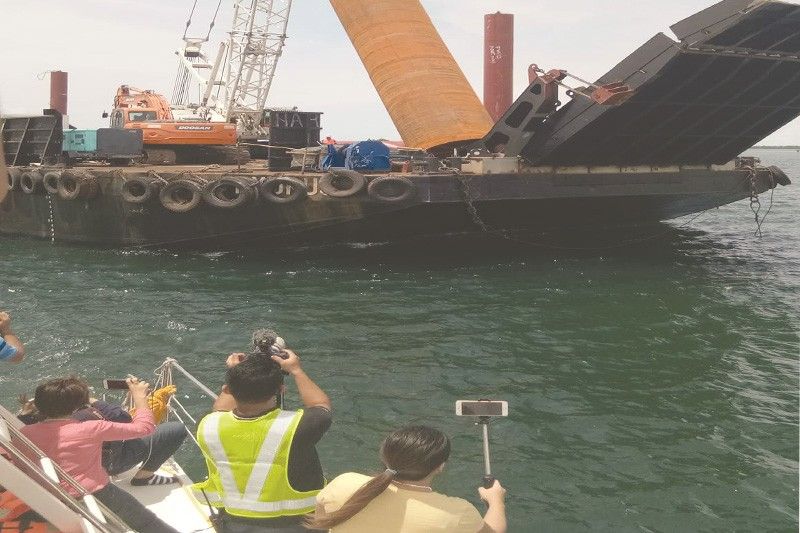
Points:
(58, 91)
(498, 63)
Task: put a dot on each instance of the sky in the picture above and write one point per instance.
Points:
(106, 43)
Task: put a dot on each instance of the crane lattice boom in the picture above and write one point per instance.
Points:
(235, 85)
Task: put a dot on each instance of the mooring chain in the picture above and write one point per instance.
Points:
(755, 203)
(473, 212)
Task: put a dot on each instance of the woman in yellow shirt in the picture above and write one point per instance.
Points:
(400, 499)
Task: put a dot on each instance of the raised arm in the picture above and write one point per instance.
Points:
(225, 401)
(143, 423)
(310, 393)
(11, 347)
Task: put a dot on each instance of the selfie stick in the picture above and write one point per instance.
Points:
(488, 478)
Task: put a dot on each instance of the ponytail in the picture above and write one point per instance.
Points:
(356, 503)
(414, 451)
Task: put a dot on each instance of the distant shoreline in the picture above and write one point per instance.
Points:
(776, 147)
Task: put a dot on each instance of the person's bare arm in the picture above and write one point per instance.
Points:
(138, 390)
(226, 401)
(11, 338)
(494, 521)
(310, 393)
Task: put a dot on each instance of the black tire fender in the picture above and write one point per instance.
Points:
(50, 181)
(342, 182)
(779, 176)
(392, 189)
(267, 188)
(14, 175)
(181, 195)
(230, 192)
(31, 182)
(140, 189)
(77, 184)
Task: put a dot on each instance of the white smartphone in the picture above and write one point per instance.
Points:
(115, 384)
(481, 408)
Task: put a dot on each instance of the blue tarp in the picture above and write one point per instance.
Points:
(367, 155)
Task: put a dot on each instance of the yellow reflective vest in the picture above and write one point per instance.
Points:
(248, 463)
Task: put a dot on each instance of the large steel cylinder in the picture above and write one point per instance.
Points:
(498, 63)
(427, 95)
(58, 91)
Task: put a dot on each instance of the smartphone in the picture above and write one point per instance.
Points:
(115, 384)
(481, 408)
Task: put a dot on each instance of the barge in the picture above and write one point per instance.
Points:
(668, 148)
(169, 207)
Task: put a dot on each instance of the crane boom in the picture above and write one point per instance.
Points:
(235, 85)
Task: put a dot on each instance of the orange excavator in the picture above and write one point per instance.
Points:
(168, 141)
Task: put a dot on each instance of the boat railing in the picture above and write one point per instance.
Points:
(39, 482)
(176, 409)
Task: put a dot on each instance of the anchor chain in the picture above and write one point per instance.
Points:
(755, 203)
(471, 209)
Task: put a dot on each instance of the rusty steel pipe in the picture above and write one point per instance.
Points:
(498, 63)
(59, 85)
(424, 90)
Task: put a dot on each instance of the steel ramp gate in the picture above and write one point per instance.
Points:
(731, 80)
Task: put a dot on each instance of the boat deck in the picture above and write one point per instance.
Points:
(174, 504)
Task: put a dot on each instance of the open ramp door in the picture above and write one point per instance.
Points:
(732, 79)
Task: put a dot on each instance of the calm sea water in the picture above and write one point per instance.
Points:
(651, 388)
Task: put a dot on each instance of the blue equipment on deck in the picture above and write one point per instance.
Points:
(367, 155)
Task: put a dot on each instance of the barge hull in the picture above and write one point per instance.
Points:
(538, 200)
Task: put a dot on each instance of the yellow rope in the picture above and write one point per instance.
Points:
(158, 401)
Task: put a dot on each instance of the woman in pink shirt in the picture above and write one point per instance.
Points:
(77, 446)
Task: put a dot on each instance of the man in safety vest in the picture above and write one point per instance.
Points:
(263, 469)
(330, 153)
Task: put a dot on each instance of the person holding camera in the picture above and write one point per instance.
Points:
(400, 499)
(264, 472)
(11, 348)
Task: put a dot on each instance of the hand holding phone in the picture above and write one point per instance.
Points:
(115, 384)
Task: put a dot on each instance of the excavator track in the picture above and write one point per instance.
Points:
(197, 155)
(232, 155)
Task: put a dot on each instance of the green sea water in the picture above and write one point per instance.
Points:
(651, 387)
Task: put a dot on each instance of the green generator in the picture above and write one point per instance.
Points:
(117, 146)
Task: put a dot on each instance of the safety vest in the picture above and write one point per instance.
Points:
(248, 463)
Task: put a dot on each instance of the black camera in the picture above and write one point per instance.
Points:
(267, 342)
